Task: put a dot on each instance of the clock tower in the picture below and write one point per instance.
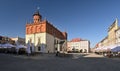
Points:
(37, 17)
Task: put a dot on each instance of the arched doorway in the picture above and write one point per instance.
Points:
(81, 50)
(85, 50)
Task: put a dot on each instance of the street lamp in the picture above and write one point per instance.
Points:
(54, 41)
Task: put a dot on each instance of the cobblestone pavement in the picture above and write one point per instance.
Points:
(48, 62)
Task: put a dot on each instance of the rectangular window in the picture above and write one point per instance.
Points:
(39, 48)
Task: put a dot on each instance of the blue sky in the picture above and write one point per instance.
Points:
(86, 19)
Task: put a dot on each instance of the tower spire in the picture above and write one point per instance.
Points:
(116, 20)
(38, 8)
(36, 16)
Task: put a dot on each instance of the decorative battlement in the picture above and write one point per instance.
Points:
(39, 26)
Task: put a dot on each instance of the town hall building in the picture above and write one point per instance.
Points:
(45, 37)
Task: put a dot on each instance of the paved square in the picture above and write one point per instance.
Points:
(48, 62)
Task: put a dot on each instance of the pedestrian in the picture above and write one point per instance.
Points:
(57, 54)
(28, 49)
(48, 51)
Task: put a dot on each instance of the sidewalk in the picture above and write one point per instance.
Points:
(93, 55)
(40, 56)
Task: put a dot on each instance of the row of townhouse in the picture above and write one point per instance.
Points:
(113, 37)
(79, 45)
(5, 39)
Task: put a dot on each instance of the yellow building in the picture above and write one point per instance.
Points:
(104, 42)
(112, 34)
(110, 39)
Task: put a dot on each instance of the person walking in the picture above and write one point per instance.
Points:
(28, 49)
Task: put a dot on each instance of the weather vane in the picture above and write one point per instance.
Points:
(38, 8)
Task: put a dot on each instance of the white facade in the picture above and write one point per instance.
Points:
(45, 41)
(34, 38)
(82, 46)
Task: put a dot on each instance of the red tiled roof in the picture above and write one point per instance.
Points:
(76, 40)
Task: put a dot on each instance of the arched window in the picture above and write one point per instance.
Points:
(39, 48)
(39, 44)
(32, 29)
(81, 50)
(85, 50)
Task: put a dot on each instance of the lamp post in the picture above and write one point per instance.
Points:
(54, 41)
